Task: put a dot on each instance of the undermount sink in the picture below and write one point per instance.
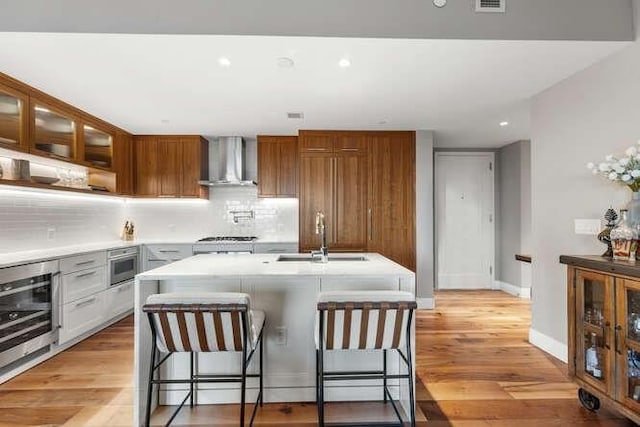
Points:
(331, 258)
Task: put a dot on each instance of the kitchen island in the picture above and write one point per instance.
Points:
(286, 290)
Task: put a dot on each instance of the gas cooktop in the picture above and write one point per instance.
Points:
(229, 239)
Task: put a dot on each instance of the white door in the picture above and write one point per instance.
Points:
(464, 220)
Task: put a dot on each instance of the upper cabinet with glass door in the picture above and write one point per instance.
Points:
(13, 110)
(54, 133)
(98, 147)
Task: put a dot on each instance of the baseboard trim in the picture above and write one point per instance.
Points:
(514, 290)
(426, 303)
(549, 345)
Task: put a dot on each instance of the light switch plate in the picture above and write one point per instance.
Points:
(587, 226)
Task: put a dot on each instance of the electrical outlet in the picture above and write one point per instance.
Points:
(587, 226)
(51, 233)
(281, 335)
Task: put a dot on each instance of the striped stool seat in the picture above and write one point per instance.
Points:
(204, 322)
(364, 320)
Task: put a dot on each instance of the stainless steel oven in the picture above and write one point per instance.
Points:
(28, 309)
(123, 265)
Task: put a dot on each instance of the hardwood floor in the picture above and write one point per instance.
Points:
(474, 363)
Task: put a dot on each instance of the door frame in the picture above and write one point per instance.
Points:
(436, 192)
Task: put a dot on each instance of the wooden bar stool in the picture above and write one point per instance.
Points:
(365, 320)
(204, 322)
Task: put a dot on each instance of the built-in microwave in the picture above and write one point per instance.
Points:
(123, 265)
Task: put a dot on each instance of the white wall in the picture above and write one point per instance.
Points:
(585, 117)
(424, 218)
(513, 226)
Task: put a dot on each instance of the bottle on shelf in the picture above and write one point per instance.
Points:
(592, 362)
(624, 239)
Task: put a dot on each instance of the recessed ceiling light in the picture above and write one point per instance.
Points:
(503, 124)
(224, 61)
(285, 62)
(439, 3)
(344, 63)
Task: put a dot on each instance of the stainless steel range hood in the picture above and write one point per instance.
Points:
(228, 163)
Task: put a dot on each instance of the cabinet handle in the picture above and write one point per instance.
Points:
(168, 251)
(618, 328)
(86, 302)
(605, 335)
(91, 273)
(349, 149)
(91, 261)
(370, 214)
(315, 149)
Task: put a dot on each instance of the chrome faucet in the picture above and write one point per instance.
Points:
(323, 254)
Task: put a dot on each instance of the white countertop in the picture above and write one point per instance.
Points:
(245, 265)
(37, 255)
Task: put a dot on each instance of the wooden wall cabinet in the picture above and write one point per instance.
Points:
(392, 199)
(123, 163)
(364, 182)
(14, 119)
(333, 180)
(604, 319)
(277, 166)
(170, 166)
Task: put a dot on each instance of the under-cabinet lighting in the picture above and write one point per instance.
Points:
(9, 190)
(165, 200)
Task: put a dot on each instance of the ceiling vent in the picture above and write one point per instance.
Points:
(295, 115)
(497, 6)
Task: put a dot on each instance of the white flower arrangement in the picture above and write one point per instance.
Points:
(625, 170)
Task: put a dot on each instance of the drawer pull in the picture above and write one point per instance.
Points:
(91, 261)
(86, 302)
(349, 149)
(315, 149)
(168, 251)
(91, 273)
(157, 260)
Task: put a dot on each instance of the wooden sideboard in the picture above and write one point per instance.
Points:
(604, 319)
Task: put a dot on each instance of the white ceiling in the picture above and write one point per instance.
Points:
(461, 89)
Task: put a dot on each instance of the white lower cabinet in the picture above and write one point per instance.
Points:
(81, 316)
(83, 283)
(118, 299)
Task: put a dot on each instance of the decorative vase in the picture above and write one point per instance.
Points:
(634, 209)
(624, 239)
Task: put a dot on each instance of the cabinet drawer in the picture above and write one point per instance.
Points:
(82, 262)
(82, 284)
(168, 252)
(119, 299)
(150, 265)
(81, 316)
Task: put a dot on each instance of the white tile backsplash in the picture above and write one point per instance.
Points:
(30, 220)
(37, 220)
(192, 219)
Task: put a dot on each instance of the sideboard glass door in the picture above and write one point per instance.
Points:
(594, 295)
(628, 343)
